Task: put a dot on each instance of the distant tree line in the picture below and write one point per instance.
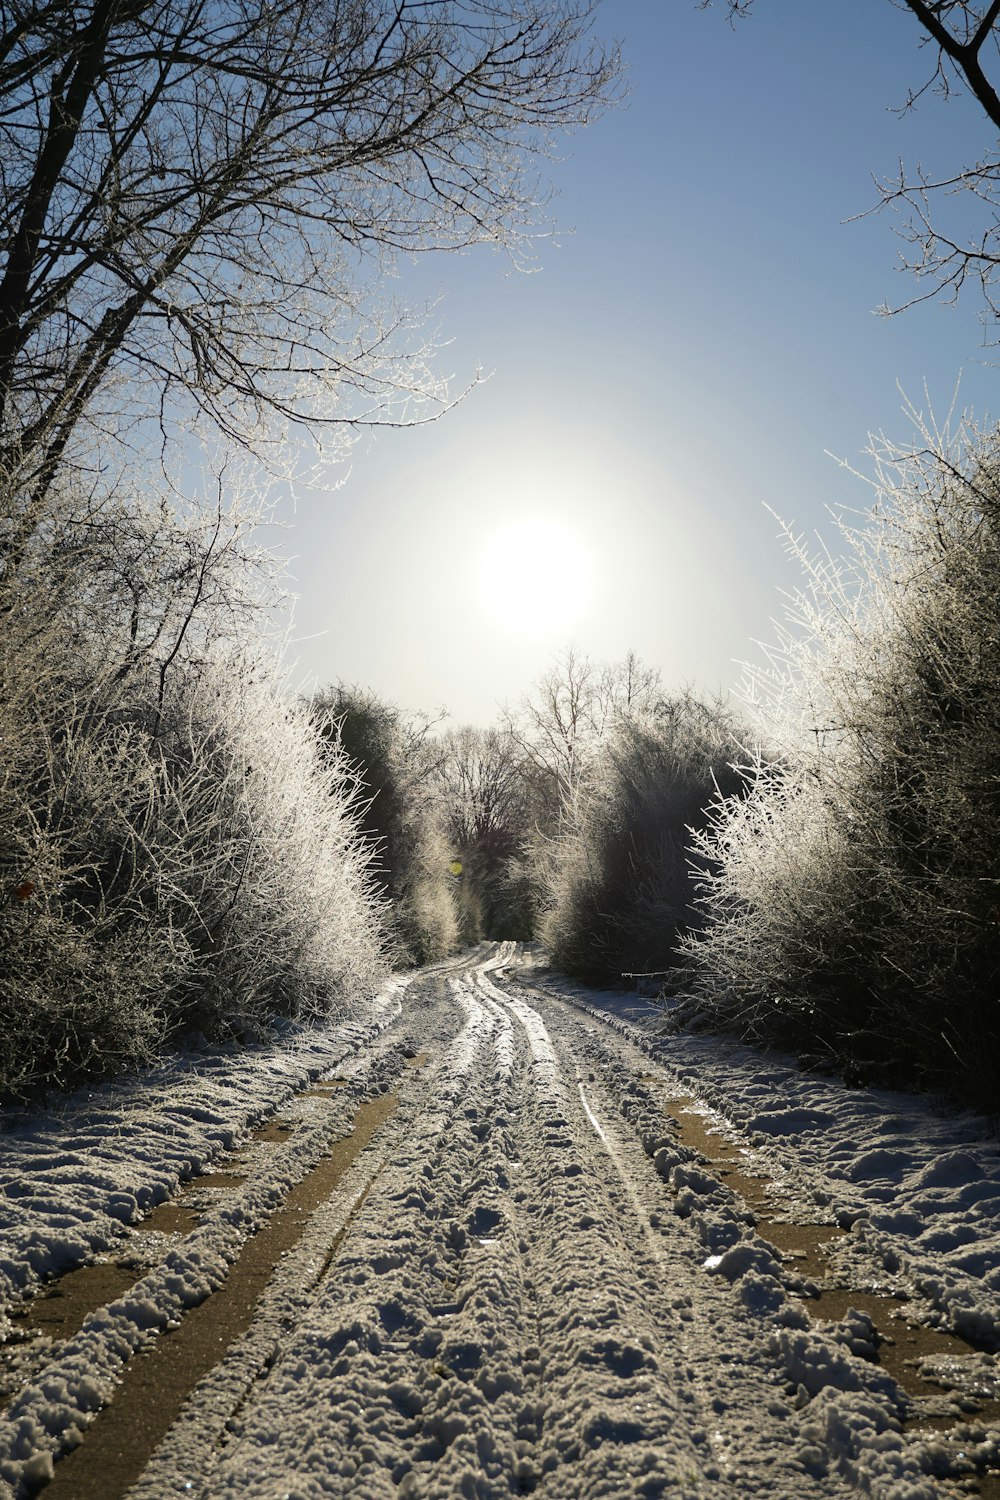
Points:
(569, 821)
(817, 870)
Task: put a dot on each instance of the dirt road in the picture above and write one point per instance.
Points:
(511, 1255)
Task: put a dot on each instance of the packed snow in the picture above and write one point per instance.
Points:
(525, 1282)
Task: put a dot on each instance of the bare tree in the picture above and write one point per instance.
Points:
(488, 815)
(482, 785)
(555, 724)
(562, 722)
(964, 42)
(196, 193)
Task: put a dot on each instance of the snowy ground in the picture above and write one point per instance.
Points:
(525, 1282)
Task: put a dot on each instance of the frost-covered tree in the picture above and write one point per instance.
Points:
(200, 203)
(487, 809)
(199, 200)
(561, 723)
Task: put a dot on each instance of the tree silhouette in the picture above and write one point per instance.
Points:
(198, 195)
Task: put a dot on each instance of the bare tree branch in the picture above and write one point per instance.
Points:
(945, 254)
(201, 198)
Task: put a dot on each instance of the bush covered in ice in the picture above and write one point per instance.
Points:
(619, 874)
(177, 850)
(402, 820)
(852, 899)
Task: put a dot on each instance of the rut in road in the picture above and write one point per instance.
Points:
(515, 1308)
(522, 1282)
(157, 1383)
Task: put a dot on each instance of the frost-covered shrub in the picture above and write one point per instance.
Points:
(274, 896)
(853, 896)
(400, 816)
(497, 897)
(80, 989)
(619, 878)
(177, 847)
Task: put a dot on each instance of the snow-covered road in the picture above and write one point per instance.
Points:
(491, 1262)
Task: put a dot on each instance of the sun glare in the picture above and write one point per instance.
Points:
(534, 575)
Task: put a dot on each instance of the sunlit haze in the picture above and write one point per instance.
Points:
(698, 340)
(534, 576)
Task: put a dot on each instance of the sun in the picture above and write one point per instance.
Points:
(534, 575)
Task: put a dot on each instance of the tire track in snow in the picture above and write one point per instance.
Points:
(388, 1330)
(511, 1306)
(639, 1335)
(64, 1397)
(845, 1441)
(81, 1376)
(615, 1410)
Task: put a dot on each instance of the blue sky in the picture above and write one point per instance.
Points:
(688, 355)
